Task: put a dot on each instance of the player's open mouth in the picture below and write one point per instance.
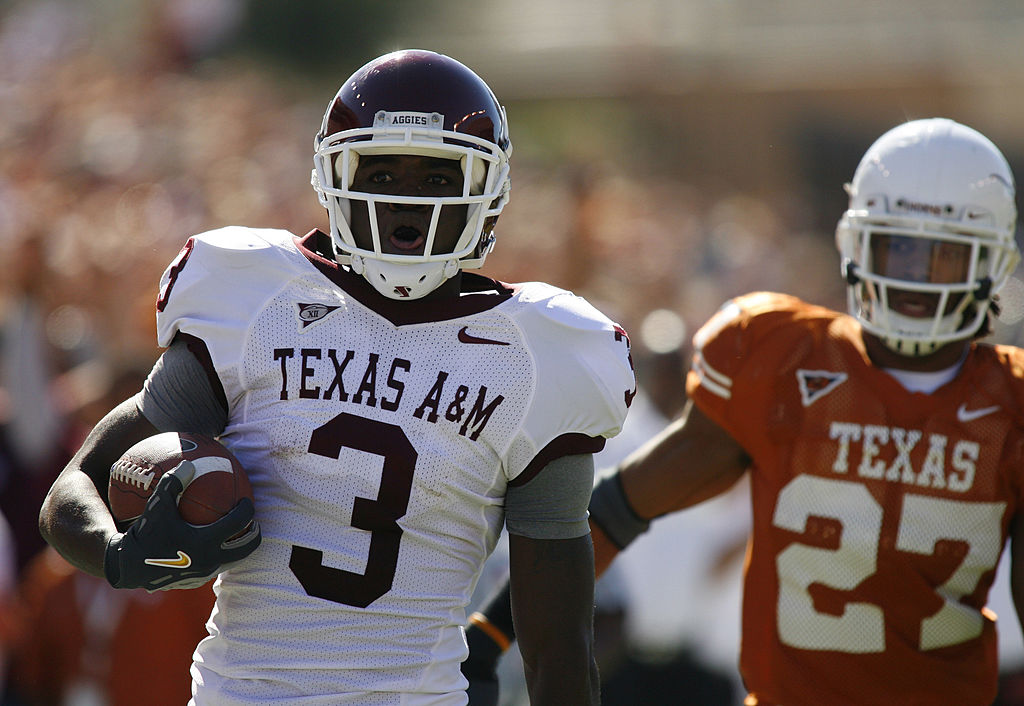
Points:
(914, 304)
(407, 239)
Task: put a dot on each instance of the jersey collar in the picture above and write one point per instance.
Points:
(478, 293)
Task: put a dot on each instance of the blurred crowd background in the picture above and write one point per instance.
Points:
(668, 155)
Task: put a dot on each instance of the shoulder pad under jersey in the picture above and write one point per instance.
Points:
(1001, 376)
(219, 276)
(216, 282)
(733, 335)
(585, 378)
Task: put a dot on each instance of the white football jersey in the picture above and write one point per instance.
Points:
(379, 451)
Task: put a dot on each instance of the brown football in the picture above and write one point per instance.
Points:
(219, 481)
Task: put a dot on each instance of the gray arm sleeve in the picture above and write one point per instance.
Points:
(553, 505)
(611, 512)
(177, 395)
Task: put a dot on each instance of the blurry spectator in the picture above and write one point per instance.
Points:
(88, 644)
(91, 645)
(187, 31)
(32, 428)
(10, 619)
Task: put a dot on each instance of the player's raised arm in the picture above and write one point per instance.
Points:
(689, 462)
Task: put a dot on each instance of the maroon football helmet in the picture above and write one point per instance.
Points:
(414, 102)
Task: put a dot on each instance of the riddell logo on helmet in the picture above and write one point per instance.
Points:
(920, 207)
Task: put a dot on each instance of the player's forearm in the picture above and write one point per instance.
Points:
(74, 517)
(552, 594)
(689, 462)
(75, 521)
(560, 666)
(569, 679)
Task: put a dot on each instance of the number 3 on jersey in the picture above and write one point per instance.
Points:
(923, 521)
(379, 517)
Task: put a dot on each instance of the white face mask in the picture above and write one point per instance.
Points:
(397, 275)
(928, 236)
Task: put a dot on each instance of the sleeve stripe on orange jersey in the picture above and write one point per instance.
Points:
(711, 379)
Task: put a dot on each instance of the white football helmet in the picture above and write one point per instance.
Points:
(945, 191)
(421, 103)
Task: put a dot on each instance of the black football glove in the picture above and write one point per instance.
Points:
(161, 551)
(480, 668)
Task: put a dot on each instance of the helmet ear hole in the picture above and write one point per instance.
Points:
(984, 290)
(850, 273)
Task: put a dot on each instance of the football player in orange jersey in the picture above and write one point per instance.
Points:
(885, 447)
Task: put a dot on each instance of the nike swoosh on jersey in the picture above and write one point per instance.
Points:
(466, 337)
(965, 415)
(182, 562)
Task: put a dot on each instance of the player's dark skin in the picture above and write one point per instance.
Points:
(404, 227)
(74, 517)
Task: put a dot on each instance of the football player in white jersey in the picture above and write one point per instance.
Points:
(392, 412)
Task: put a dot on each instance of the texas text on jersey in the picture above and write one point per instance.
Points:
(879, 515)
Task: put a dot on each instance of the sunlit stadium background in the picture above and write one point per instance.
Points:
(668, 153)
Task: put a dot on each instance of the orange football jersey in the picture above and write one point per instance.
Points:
(879, 514)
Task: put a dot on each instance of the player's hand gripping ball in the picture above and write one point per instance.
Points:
(217, 486)
(188, 507)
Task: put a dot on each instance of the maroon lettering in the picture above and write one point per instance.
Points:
(339, 369)
(306, 372)
(455, 409)
(369, 384)
(283, 354)
(397, 385)
(433, 399)
(479, 415)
